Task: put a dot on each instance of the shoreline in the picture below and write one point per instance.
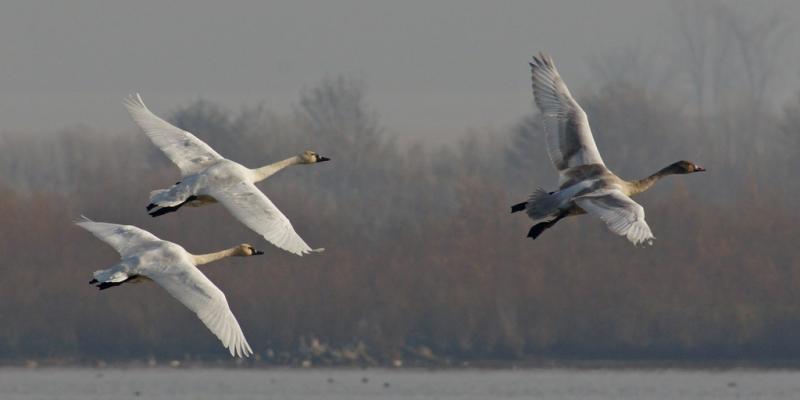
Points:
(489, 365)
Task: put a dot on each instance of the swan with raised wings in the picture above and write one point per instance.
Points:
(146, 257)
(585, 184)
(207, 177)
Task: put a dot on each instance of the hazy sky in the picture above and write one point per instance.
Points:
(431, 66)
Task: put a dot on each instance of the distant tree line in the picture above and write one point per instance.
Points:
(421, 249)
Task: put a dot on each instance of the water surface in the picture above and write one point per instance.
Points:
(335, 384)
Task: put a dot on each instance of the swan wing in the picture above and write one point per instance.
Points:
(621, 214)
(194, 290)
(188, 152)
(568, 136)
(252, 207)
(122, 238)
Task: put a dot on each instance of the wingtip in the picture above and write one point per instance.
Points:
(542, 60)
(81, 219)
(134, 100)
(309, 251)
(643, 242)
(241, 351)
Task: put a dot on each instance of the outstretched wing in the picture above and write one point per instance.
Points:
(121, 237)
(250, 206)
(188, 152)
(622, 215)
(192, 288)
(569, 138)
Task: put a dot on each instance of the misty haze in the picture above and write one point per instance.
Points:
(426, 113)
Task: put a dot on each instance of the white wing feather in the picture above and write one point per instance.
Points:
(122, 238)
(192, 288)
(252, 207)
(180, 278)
(188, 152)
(568, 136)
(621, 214)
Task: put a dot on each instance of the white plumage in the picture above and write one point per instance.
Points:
(173, 268)
(188, 152)
(207, 177)
(622, 215)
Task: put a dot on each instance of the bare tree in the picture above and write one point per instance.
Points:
(733, 60)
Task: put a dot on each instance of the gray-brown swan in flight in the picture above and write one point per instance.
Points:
(585, 184)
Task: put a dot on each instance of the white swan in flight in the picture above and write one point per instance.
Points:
(207, 177)
(585, 184)
(146, 257)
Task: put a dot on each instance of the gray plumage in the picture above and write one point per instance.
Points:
(585, 184)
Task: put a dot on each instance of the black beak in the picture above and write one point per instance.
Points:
(257, 252)
(321, 158)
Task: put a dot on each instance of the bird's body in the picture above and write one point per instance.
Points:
(208, 178)
(145, 257)
(195, 190)
(586, 185)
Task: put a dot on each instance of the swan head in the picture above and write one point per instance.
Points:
(246, 250)
(685, 167)
(311, 157)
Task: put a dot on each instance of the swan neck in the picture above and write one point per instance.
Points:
(200, 259)
(268, 170)
(641, 185)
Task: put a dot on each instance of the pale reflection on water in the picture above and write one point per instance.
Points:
(333, 384)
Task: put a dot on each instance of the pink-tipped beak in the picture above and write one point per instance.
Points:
(698, 168)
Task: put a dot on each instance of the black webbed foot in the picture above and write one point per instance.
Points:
(169, 209)
(537, 229)
(106, 285)
(518, 207)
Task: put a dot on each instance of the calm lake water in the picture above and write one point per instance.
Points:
(333, 384)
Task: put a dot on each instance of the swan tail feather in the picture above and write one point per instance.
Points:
(542, 204)
(167, 197)
(156, 210)
(106, 278)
